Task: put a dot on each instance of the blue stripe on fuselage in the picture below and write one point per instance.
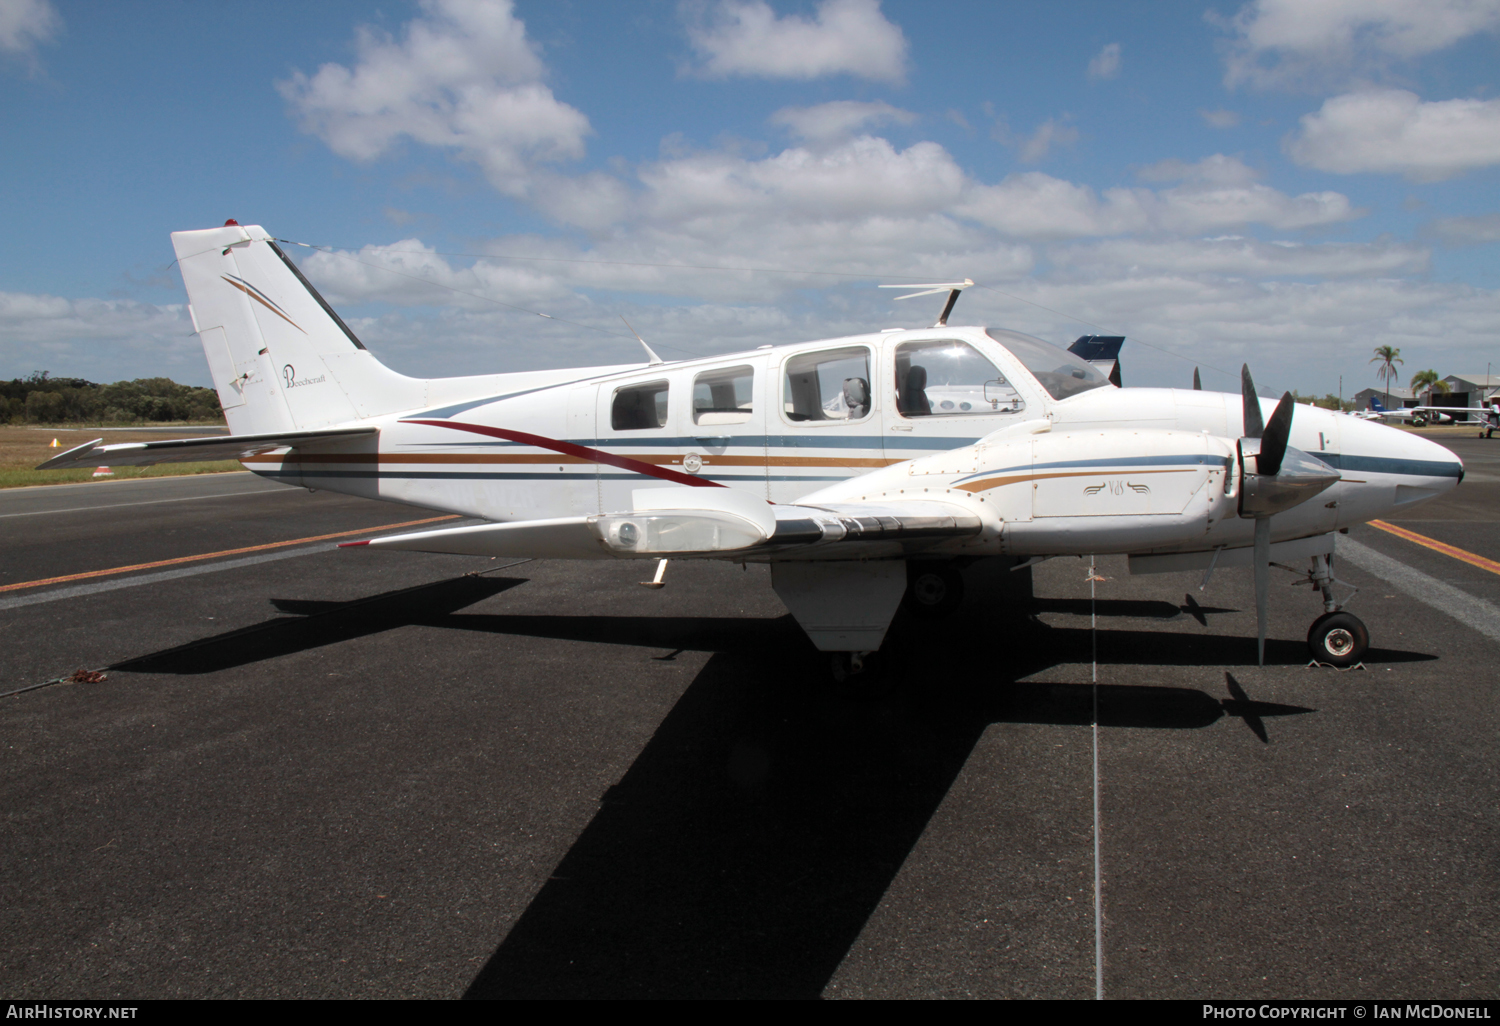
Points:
(1390, 465)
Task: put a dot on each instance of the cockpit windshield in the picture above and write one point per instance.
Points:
(1058, 371)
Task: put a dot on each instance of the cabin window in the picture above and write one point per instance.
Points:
(950, 379)
(639, 407)
(1060, 372)
(829, 385)
(723, 396)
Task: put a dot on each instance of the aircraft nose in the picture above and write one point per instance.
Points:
(1444, 461)
(1418, 466)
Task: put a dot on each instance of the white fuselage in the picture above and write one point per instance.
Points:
(1104, 470)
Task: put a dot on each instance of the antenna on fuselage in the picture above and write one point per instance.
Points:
(953, 288)
(652, 358)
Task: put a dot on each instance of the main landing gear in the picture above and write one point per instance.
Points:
(934, 590)
(1338, 638)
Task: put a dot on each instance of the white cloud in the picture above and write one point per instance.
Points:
(751, 244)
(828, 121)
(1106, 64)
(97, 339)
(462, 77)
(861, 205)
(1215, 194)
(1050, 133)
(1467, 231)
(1220, 118)
(1293, 334)
(1242, 257)
(24, 24)
(1297, 42)
(1394, 132)
(849, 37)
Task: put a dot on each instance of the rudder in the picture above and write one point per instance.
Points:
(281, 358)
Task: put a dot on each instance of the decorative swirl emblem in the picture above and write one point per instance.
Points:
(1117, 488)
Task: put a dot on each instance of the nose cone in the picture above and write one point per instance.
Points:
(1397, 466)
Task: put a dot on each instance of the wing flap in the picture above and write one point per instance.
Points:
(664, 525)
(191, 450)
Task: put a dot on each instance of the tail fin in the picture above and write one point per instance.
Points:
(281, 359)
(1376, 405)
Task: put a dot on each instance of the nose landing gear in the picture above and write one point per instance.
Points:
(1338, 638)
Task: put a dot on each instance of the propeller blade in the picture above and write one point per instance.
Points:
(1273, 441)
(1197, 381)
(1262, 582)
(1254, 425)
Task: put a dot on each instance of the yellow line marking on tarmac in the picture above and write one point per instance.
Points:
(216, 555)
(1437, 546)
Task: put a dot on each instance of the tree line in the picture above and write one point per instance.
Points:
(43, 399)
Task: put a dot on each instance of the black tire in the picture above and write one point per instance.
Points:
(934, 590)
(1338, 638)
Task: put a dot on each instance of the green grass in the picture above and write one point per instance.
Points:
(24, 478)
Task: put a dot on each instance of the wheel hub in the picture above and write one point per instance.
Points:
(1339, 642)
(929, 590)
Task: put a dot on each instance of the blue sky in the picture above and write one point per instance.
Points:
(1284, 183)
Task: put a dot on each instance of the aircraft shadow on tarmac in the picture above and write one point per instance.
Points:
(1025, 646)
(750, 841)
(756, 832)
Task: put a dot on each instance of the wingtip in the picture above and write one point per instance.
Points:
(350, 545)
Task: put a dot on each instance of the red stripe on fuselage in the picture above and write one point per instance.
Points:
(609, 459)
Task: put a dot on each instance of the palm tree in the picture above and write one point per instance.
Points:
(1387, 357)
(1429, 380)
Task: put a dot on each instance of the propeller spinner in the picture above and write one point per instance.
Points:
(1275, 478)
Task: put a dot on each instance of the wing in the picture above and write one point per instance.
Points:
(190, 450)
(721, 523)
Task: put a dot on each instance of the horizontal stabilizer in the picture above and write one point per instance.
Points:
(1097, 347)
(1103, 351)
(191, 450)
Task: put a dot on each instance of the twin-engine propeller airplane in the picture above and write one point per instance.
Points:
(861, 469)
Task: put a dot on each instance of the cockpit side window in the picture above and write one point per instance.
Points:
(950, 378)
(723, 396)
(833, 384)
(1058, 371)
(639, 407)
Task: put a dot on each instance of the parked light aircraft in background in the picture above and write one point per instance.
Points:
(1420, 416)
(857, 467)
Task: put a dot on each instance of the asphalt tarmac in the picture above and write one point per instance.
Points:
(315, 772)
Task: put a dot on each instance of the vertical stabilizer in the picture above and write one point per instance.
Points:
(281, 359)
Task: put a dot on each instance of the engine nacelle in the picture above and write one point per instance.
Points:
(1052, 493)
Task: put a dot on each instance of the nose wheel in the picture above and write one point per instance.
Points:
(1338, 638)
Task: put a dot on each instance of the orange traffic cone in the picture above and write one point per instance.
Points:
(54, 444)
